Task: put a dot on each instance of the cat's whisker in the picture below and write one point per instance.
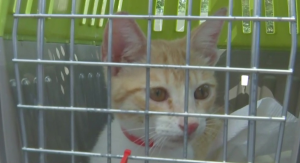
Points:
(156, 137)
(153, 135)
(157, 141)
(163, 143)
(161, 139)
(142, 137)
(141, 128)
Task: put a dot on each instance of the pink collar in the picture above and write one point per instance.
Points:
(137, 140)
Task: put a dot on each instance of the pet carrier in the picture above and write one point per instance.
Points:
(53, 98)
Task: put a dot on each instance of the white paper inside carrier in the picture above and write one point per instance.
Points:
(266, 135)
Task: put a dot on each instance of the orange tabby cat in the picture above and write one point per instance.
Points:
(167, 87)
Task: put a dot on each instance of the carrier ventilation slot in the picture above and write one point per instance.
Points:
(269, 12)
(203, 9)
(246, 12)
(159, 10)
(181, 11)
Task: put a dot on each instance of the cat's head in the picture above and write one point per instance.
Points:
(167, 86)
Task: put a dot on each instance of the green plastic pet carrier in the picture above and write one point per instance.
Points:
(28, 134)
(90, 30)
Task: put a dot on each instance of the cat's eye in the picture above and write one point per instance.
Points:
(202, 92)
(158, 94)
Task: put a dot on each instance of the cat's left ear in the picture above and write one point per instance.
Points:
(204, 39)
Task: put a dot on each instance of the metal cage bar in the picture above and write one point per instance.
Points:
(148, 57)
(228, 56)
(40, 81)
(18, 81)
(88, 154)
(111, 110)
(254, 81)
(226, 69)
(72, 119)
(289, 79)
(187, 77)
(109, 58)
(9, 135)
(233, 18)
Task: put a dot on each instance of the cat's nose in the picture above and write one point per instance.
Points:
(191, 128)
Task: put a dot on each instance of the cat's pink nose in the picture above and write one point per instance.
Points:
(192, 127)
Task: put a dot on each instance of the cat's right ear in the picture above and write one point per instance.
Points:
(128, 42)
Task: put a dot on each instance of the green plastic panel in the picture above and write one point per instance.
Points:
(279, 39)
(90, 30)
(3, 15)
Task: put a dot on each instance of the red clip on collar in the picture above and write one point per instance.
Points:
(127, 152)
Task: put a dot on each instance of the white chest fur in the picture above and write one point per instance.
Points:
(119, 143)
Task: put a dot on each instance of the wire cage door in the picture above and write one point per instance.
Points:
(54, 70)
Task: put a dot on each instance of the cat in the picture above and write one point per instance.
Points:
(167, 87)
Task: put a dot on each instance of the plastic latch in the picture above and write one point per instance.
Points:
(127, 152)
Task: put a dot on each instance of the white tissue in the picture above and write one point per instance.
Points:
(266, 135)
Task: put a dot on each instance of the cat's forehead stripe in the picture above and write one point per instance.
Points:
(122, 96)
(177, 77)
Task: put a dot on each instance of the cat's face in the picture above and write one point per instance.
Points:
(167, 86)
